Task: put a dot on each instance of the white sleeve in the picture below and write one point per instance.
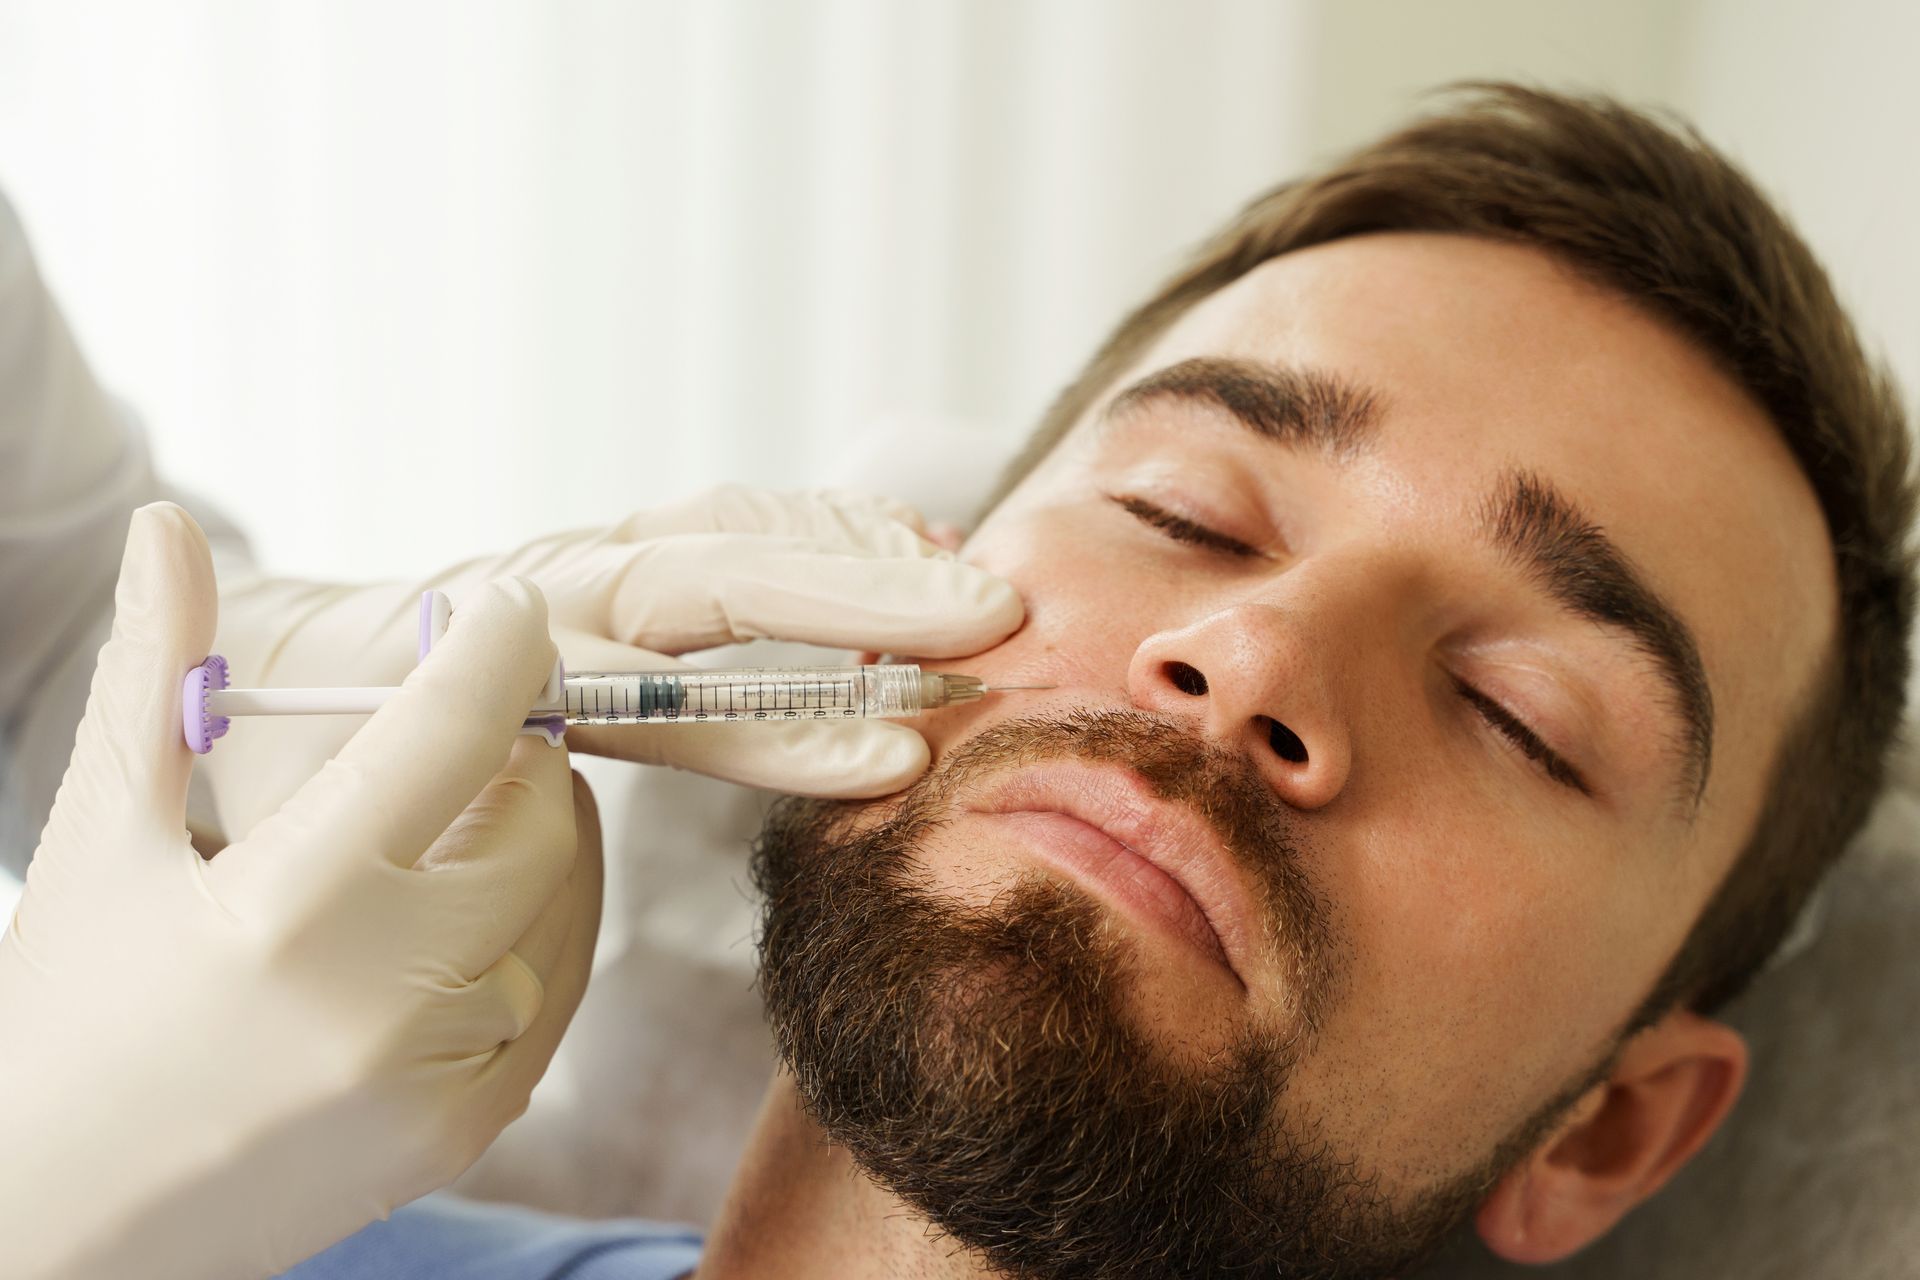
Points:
(73, 466)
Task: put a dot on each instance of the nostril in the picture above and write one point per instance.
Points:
(1286, 744)
(1187, 680)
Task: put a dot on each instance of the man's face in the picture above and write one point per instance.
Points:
(1486, 595)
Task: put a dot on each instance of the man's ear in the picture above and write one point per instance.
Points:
(1674, 1084)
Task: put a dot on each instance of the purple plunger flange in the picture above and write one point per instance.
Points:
(201, 726)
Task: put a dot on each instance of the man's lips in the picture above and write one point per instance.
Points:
(1104, 825)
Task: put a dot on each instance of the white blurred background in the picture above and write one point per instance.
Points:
(399, 282)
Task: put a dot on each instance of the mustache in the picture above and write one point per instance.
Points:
(1261, 833)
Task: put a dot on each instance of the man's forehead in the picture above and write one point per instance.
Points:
(1479, 358)
(1438, 301)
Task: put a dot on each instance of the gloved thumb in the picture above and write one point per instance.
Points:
(130, 761)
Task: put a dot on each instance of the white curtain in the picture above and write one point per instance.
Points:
(399, 282)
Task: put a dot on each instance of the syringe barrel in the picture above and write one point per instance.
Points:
(762, 694)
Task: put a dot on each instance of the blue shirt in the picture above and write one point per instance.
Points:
(446, 1238)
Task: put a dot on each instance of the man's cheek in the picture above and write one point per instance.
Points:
(1464, 955)
(948, 727)
(812, 831)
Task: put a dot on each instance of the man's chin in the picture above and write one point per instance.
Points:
(976, 1059)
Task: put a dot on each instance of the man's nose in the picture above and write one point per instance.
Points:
(1260, 682)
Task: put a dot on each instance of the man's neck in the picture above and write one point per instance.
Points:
(799, 1208)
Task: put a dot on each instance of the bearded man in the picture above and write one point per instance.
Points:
(1474, 595)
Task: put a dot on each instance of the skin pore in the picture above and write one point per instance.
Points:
(1313, 534)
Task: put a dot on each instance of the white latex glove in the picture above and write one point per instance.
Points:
(215, 1069)
(734, 564)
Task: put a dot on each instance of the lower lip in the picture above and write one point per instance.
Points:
(1117, 874)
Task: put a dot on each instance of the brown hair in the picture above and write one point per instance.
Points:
(1661, 217)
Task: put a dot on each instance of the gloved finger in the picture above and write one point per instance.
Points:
(533, 988)
(701, 590)
(583, 651)
(417, 763)
(130, 760)
(830, 514)
(878, 505)
(844, 760)
(598, 567)
(502, 861)
(563, 969)
(493, 1008)
(544, 940)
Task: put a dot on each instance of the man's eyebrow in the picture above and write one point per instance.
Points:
(1581, 568)
(1526, 517)
(1294, 406)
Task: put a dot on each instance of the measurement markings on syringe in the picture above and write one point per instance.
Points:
(612, 698)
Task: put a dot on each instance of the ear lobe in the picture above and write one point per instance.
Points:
(1620, 1142)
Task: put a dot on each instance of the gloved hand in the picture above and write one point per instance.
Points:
(734, 564)
(214, 1069)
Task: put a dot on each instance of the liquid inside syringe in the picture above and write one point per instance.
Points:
(776, 694)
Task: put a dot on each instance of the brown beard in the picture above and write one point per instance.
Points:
(979, 1063)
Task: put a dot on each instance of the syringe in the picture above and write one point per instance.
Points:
(685, 695)
(746, 695)
(749, 695)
